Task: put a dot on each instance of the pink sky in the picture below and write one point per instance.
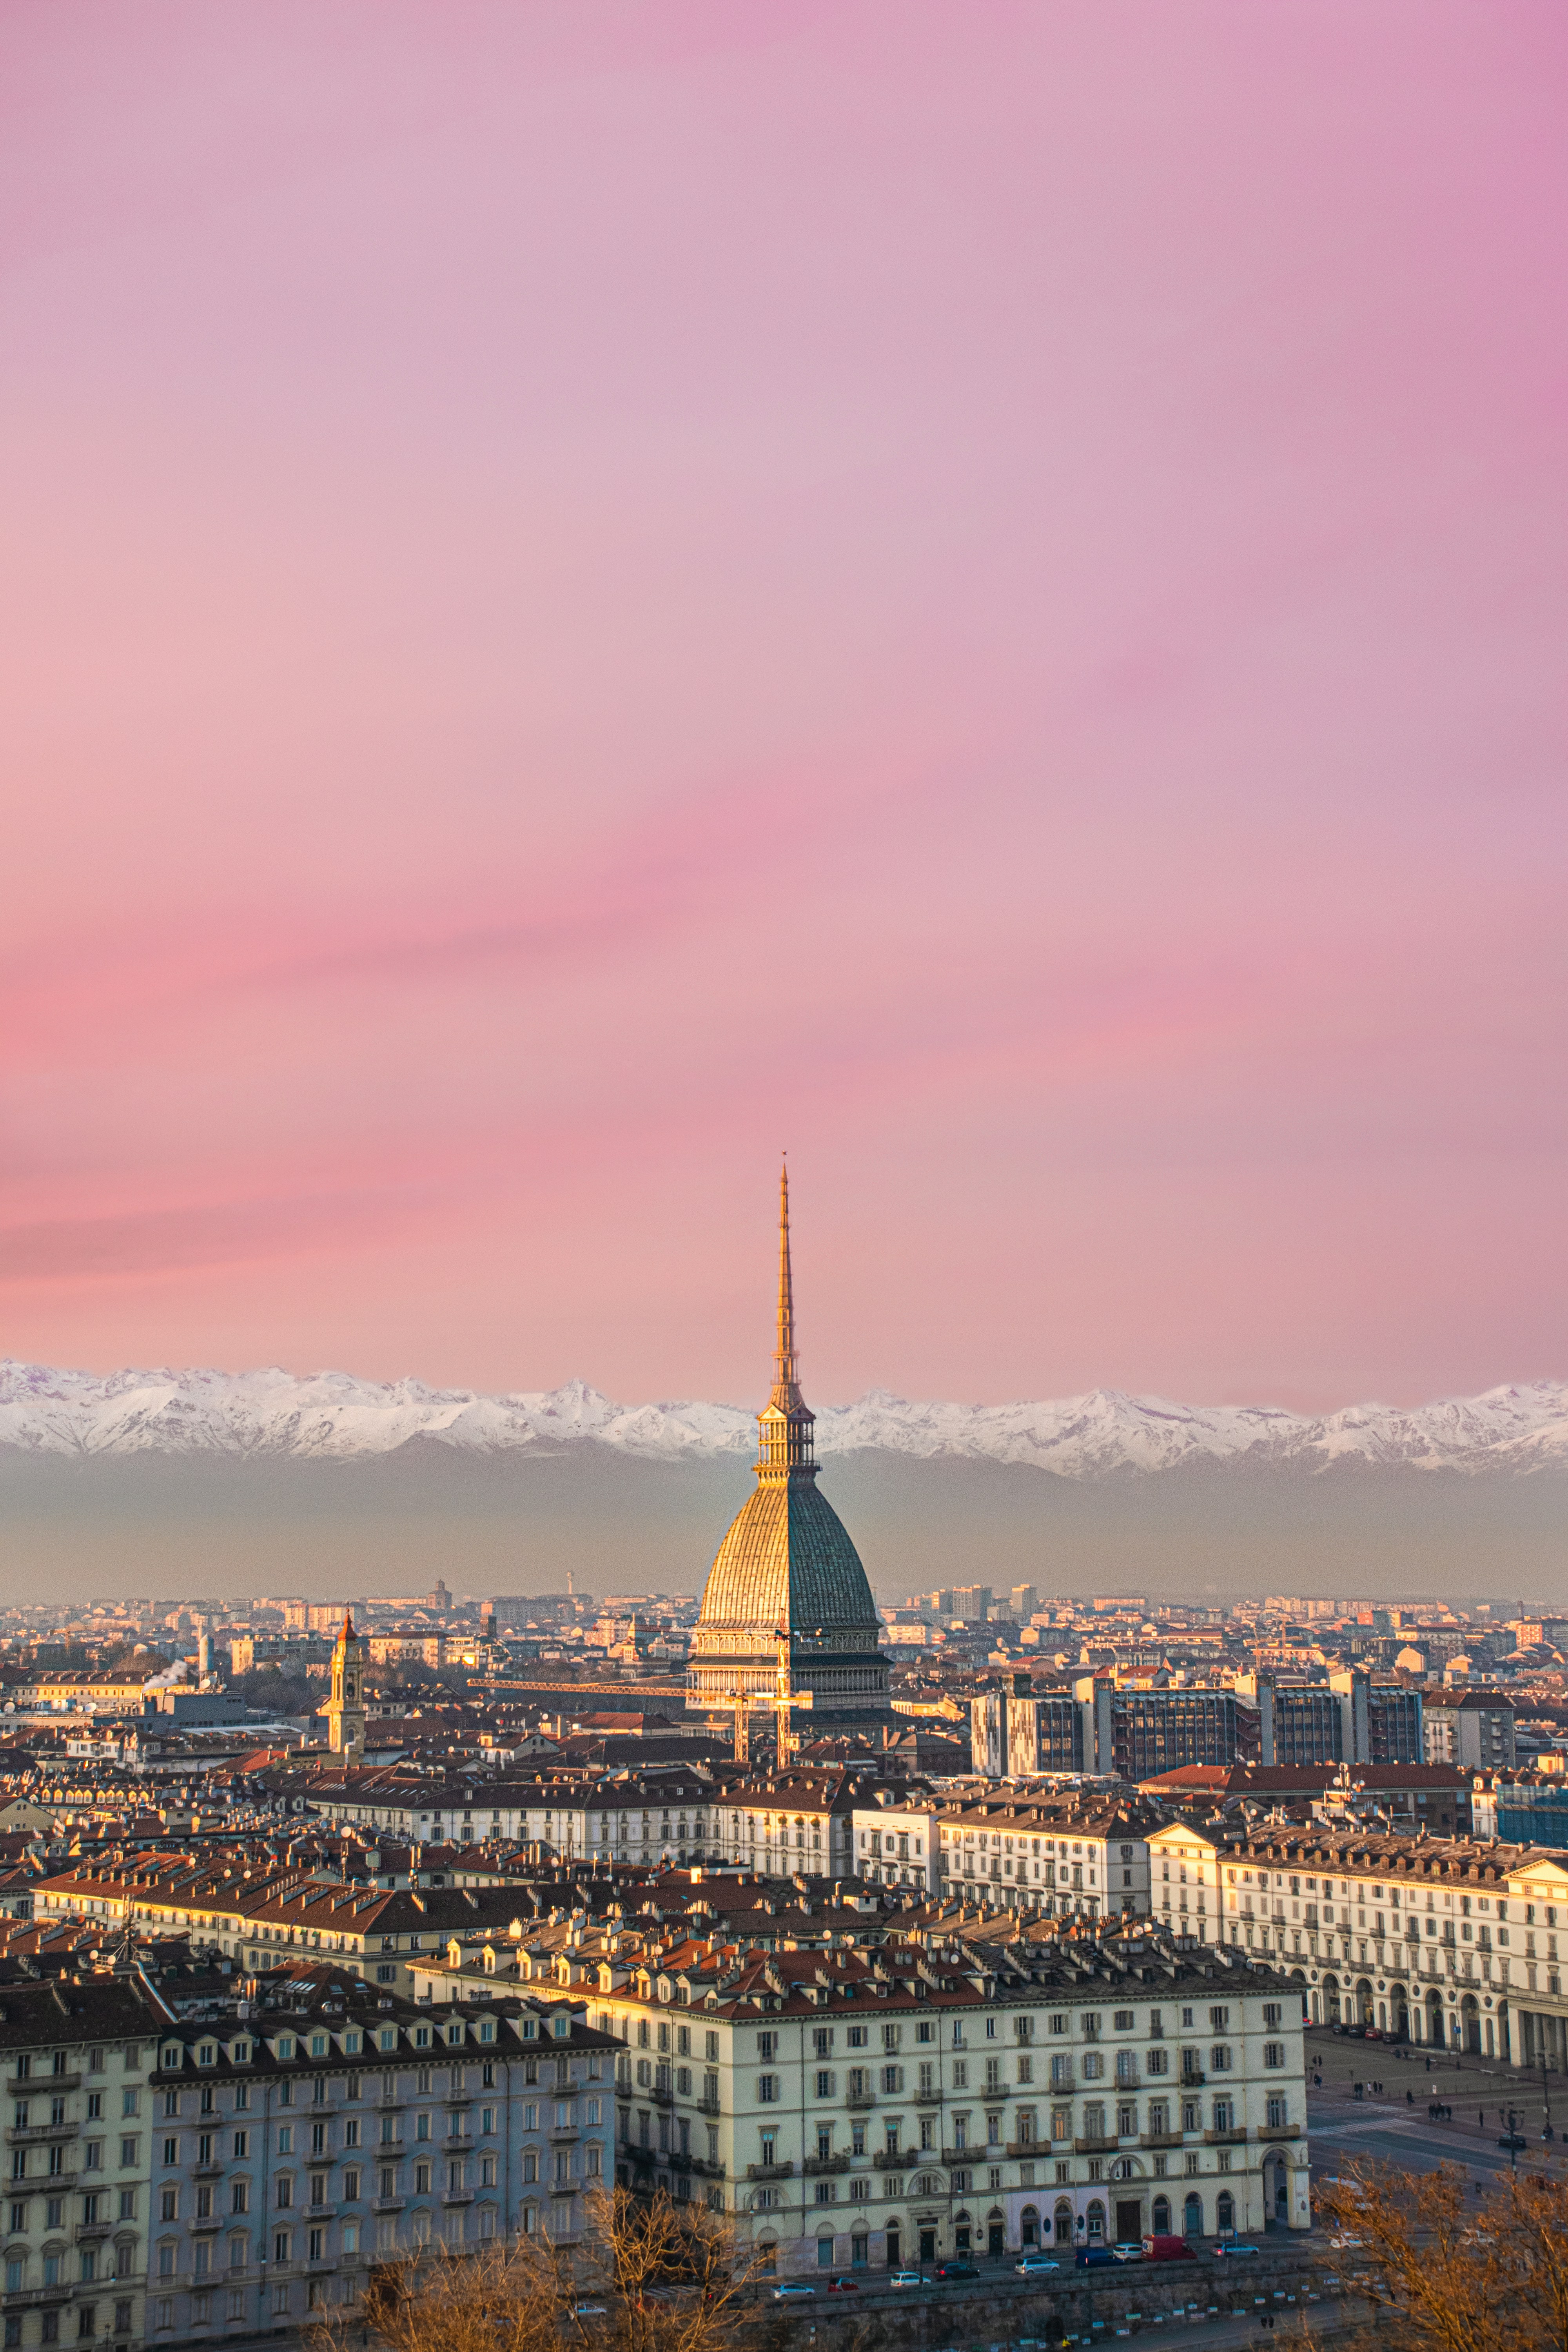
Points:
(590, 592)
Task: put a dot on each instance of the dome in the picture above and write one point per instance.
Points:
(787, 1559)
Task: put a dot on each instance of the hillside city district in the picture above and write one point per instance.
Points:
(984, 1928)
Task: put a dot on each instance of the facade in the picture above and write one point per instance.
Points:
(1060, 1857)
(787, 1623)
(1474, 1731)
(1449, 1943)
(1348, 1719)
(334, 2129)
(78, 2058)
(847, 2107)
(1183, 1881)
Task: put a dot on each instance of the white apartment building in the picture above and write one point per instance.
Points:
(1450, 1942)
(852, 2107)
(1045, 1854)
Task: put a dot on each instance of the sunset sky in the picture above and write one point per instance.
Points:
(594, 591)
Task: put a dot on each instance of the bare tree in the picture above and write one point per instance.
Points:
(1445, 2273)
(649, 2276)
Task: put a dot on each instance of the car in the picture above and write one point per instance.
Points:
(1233, 2251)
(1344, 2246)
(906, 2278)
(588, 2311)
(790, 2290)
(1093, 2258)
(1128, 2249)
(956, 2270)
(1163, 2248)
(843, 2286)
(1036, 2267)
(1511, 2142)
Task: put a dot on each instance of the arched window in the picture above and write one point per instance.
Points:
(1062, 2221)
(1162, 2217)
(1030, 2226)
(1224, 2211)
(825, 2251)
(1193, 2216)
(1096, 2218)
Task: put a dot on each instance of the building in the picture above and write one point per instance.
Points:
(1448, 1943)
(1473, 1729)
(1139, 1731)
(1061, 1857)
(848, 2107)
(331, 2129)
(78, 2060)
(1520, 1808)
(787, 1622)
(344, 1709)
(1348, 1719)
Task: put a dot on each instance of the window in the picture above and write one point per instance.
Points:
(1219, 2058)
(1274, 2054)
(767, 2089)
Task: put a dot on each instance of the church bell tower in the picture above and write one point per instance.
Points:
(345, 1709)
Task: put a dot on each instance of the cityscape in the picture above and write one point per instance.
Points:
(784, 1428)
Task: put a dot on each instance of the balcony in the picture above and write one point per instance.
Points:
(659, 2098)
(927, 2098)
(1191, 2079)
(770, 2171)
(1234, 2136)
(714, 2171)
(814, 2165)
(206, 2171)
(25, 2134)
(1160, 2139)
(198, 2226)
(1128, 2081)
(559, 2135)
(1028, 2147)
(386, 2204)
(711, 2108)
(456, 2196)
(1060, 2084)
(321, 2212)
(1279, 2131)
(40, 2087)
(1096, 2144)
(87, 2233)
(899, 2159)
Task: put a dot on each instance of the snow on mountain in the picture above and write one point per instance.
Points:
(331, 1416)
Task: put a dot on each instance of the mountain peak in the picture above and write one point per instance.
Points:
(334, 1415)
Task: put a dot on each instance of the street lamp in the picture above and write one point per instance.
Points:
(1547, 2132)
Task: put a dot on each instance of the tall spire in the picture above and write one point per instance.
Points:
(786, 1365)
(784, 1425)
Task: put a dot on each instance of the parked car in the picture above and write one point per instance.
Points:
(1128, 2249)
(1093, 2257)
(906, 2278)
(843, 2286)
(1233, 2251)
(1511, 2142)
(788, 2290)
(1163, 2248)
(1036, 2267)
(955, 2271)
(589, 2311)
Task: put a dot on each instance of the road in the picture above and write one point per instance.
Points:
(1391, 2125)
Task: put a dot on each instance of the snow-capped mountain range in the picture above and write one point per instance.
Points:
(331, 1416)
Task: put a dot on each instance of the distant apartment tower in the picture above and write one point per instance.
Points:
(971, 1603)
(1474, 1730)
(1350, 1719)
(1023, 1601)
